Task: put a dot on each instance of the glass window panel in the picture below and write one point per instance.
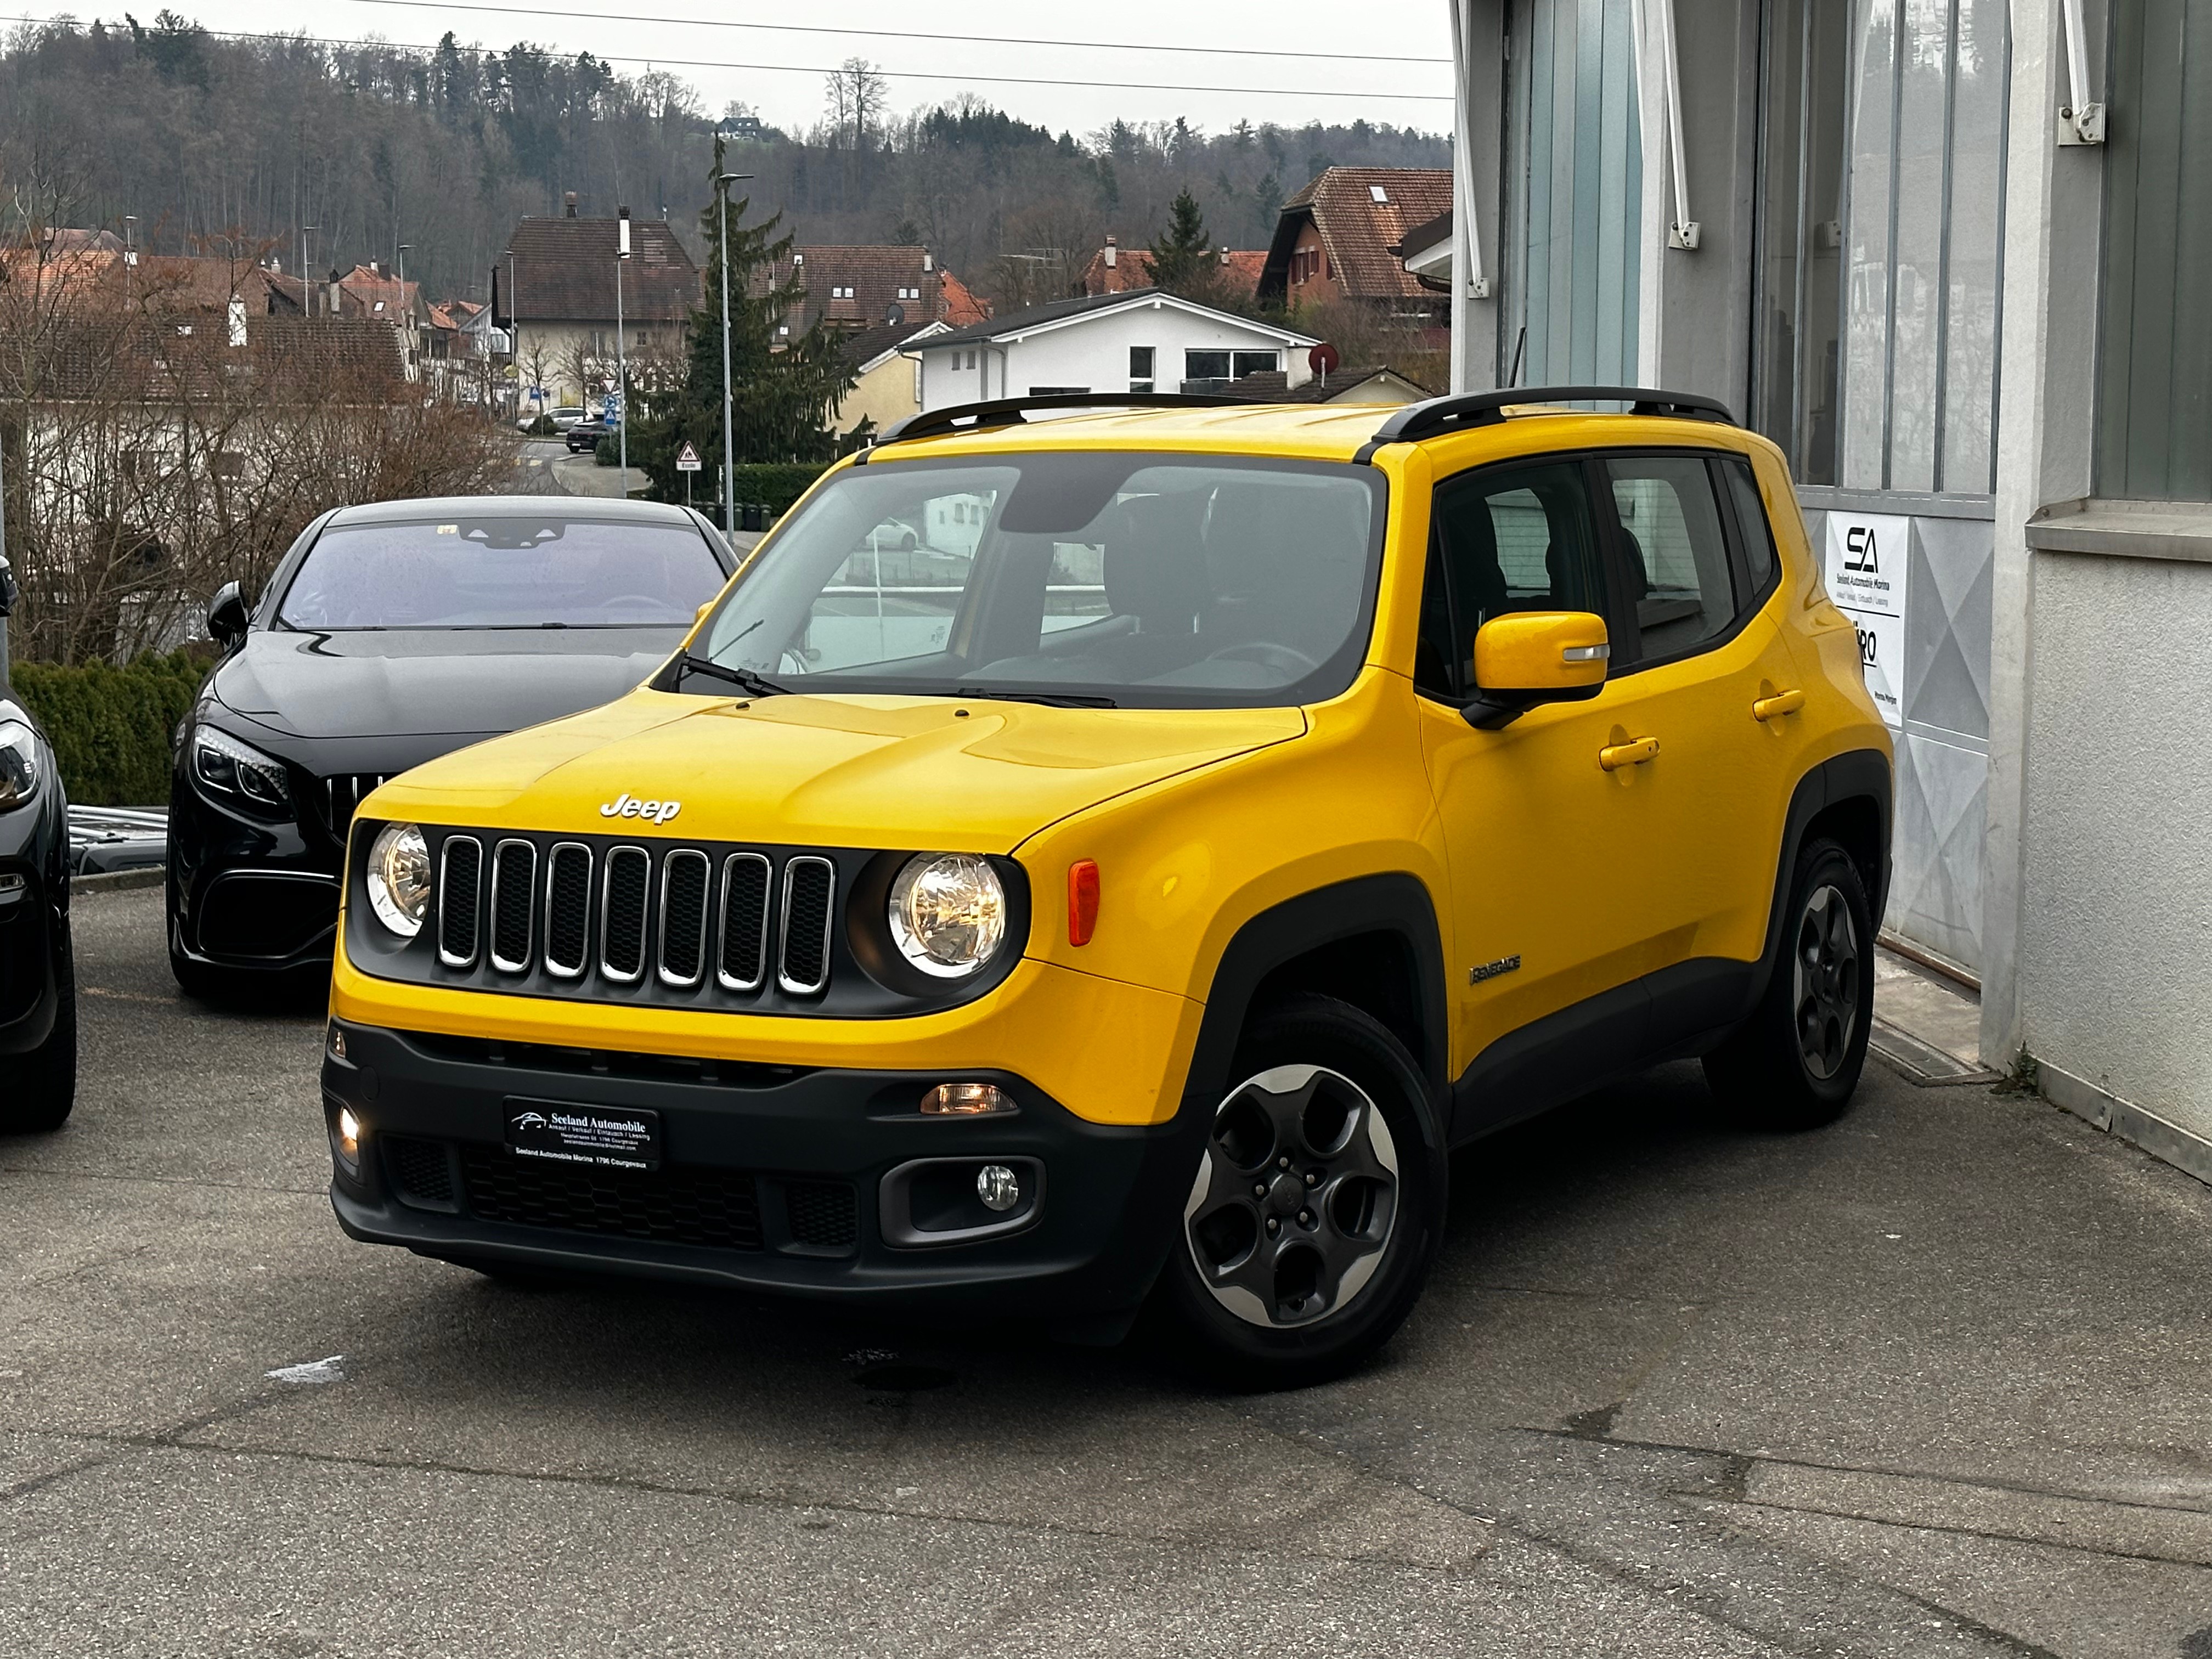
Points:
(1515, 538)
(1866, 354)
(1254, 362)
(1205, 365)
(1917, 265)
(1981, 70)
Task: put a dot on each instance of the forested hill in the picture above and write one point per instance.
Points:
(201, 135)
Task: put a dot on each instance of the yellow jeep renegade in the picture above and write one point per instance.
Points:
(1112, 860)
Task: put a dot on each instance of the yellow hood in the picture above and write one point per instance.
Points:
(837, 771)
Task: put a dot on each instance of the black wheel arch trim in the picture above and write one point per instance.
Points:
(1857, 774)
(1396, 903)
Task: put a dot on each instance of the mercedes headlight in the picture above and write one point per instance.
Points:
(400, 878)
(948, 913)
(228, 767)
(19, 763)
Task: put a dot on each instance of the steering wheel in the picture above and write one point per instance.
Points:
(1294, 665)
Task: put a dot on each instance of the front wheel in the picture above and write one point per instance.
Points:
(1317, 1206)
(1794, 1064)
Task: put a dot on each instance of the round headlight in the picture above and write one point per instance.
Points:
(400, 878)
(948, 913)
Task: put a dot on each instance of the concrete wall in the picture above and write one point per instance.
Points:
(2115, 952)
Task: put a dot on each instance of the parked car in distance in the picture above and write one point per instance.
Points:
(1142, 905)
(391, 634)
(584, 435)
(567, 415)
(38, 973)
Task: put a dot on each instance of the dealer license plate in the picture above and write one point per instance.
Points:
(602, 1137)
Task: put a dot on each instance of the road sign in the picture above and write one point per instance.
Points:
(687, 459)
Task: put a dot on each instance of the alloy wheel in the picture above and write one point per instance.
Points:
(1828, 982)
(1295, 1197)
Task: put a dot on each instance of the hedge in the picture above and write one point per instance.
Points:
(111, 727)
(777, 485)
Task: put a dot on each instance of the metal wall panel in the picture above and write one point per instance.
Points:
(2155, 405)
(1577, 194)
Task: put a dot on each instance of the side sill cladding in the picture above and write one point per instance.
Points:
(1396, 905)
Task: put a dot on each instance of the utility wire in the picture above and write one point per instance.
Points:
(914, 34)
(961, 79)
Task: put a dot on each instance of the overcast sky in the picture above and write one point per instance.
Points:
(925, 72)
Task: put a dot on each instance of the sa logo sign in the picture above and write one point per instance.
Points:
(1859, 551)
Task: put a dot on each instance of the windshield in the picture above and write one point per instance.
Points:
(1136, 580)
(504, 572)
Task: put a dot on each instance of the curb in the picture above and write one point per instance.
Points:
(119, 881)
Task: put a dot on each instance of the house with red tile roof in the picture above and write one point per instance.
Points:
(863, 286)
(1116, 270)
(1336, 239)
(557, 295)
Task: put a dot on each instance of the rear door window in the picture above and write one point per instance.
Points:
(1675, 555)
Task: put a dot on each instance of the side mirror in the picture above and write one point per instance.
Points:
(226, 616)
(8, 590)
(1532, 657)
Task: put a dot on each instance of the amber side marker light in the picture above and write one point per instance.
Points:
(1082, 900)
(966, 1100)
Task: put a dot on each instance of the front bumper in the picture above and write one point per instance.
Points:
(34, 895)
(773, 1179)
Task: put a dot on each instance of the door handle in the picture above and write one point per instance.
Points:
(1634, 752)
(1774, 707)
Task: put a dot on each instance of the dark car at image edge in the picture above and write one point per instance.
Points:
(389, 634)
(38, 983)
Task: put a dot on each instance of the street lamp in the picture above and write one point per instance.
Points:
(621, 367)
(403, 246)
(307, 280)
(722, 183)
(513, 330)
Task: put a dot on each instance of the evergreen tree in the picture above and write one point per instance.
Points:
(1182, 262)
(782, 388)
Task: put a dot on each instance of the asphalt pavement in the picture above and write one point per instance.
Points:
(1931, 1382)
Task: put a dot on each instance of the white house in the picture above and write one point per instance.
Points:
(1140, 341)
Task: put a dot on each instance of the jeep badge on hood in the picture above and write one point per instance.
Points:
(629, 807)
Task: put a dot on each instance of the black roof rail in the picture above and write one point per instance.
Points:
(1474, 408)
(1013, 412)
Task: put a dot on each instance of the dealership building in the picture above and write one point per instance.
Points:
(1951, 256)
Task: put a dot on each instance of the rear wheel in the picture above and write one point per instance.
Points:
(1794, 1063)
(42, 1084)
(1316, 1208)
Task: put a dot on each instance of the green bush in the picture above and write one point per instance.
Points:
(543, 427)
(607, 454)
(111, 727)
(777, 485)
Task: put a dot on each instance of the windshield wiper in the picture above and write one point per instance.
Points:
(692, 663)
(1049, 699)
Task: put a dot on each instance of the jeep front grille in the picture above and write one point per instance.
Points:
(623, 922)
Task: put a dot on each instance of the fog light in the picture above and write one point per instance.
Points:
(345, 1141)
(996, 1186)
(12, 887)
(337, 1041)
(966, 1100)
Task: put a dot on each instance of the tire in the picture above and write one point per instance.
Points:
(42, 1084)
(1355, 1229)
(1794, 1064)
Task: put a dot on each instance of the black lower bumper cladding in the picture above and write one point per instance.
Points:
(827, 1183)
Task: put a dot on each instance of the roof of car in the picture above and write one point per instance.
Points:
(1329, 432)
(563, 507)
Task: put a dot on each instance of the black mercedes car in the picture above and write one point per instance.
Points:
(38, 977)
(388, 636)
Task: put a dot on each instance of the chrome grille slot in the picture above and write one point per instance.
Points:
(343, 793)
(744, 962)
(460, 881)
(514, 898)
(809, 887)
(567, 909)
(621, 914)
(685, 878)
